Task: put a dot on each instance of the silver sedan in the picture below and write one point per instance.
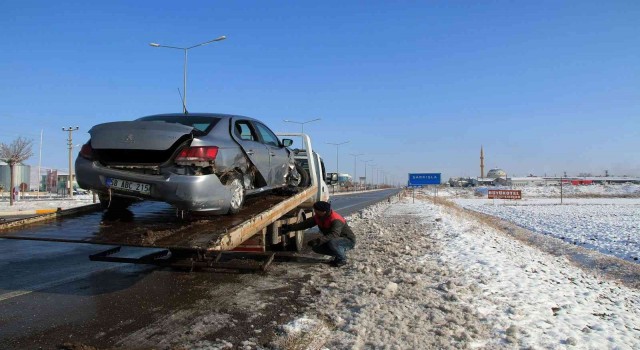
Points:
(205, 163)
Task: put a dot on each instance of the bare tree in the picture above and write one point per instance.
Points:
(15, 153)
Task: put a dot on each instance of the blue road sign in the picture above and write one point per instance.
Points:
(424, 179)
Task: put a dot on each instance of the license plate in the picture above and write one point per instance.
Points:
(128, 186)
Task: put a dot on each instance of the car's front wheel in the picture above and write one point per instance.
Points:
(234, 184)
(303, 179)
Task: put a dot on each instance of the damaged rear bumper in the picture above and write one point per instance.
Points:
(200, 193)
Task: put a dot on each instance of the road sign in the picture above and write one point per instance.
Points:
(505, 194)
(424, 179)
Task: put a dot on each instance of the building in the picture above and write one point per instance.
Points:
(461, 182)
(21, 175)
(344, 178)
(593, 180)
(496, 173)
(527, 181)
(569, 180)
(495, 177)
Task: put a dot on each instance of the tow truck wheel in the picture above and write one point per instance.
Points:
(234, 184)
(296, 243)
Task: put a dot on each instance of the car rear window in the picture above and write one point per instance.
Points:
(201, 125)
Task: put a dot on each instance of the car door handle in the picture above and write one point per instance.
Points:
(273, 154)
(250, 152)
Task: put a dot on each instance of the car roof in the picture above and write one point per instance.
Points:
(212, 115)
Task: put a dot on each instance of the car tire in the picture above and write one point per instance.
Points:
(114, 203)
(304, 181)
(236, 189)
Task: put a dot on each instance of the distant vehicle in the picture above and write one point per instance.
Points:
(200, 162)
(301, 158)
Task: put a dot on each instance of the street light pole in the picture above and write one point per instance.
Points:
(374, 171)
(301, 123)
(338, 157)
(70, 129)
(184, 77)
(365, 171)
(355, 166)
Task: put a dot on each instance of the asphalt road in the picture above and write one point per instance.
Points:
(50, 293)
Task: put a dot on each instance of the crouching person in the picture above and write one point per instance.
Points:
(337, 236)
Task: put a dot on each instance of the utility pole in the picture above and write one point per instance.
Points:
(39, 164)
(561, 181)
(70, 129)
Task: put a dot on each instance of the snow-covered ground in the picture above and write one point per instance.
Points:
(618, 190)
(426, 276)
(32, 202)
(608, 225)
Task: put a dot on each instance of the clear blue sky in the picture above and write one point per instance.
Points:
(545, 86)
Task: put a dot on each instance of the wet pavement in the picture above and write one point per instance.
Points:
(50, 293)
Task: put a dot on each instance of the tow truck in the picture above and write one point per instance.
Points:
(254, 232)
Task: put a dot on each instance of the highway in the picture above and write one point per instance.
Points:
(50, 293)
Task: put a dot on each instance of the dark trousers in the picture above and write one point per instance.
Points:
(336, 247)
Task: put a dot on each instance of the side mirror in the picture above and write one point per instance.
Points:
(287, 142)
(332, 178)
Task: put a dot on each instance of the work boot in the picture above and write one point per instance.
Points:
(338, 263)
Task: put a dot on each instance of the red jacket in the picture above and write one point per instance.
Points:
(332, 226)
(324, 222)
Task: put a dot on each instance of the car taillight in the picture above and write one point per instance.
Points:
(197, 154)
(87, 151)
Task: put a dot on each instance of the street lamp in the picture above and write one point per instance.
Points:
(301, 123)
(374, 167)
(337, 156)
(355, 167)
(184, 78)
(374, 175)
(365, 171)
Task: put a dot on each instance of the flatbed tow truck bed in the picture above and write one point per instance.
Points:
(255, 229)
(209, 242)
(224, 232)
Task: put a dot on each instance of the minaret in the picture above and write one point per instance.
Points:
(481, 162)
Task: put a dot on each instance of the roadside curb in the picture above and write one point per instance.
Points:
(354, 192)
(45, 214)
(29, 212)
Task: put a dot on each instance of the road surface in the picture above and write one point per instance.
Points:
(50, 293)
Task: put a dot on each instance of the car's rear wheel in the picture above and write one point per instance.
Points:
(113, 202)
(234, 184)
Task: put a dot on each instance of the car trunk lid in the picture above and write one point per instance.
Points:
(140, 142)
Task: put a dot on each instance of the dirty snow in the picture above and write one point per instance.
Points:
(426, 276)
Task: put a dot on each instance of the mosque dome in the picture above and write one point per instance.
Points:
(496, 173)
